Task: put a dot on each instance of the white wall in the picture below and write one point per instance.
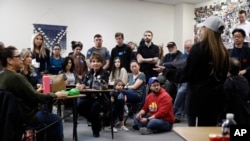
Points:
(188, 22)
(183, 24)
(85, 18)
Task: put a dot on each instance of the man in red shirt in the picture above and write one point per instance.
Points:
(157, 113)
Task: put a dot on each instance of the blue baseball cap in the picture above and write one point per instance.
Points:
(152, 80)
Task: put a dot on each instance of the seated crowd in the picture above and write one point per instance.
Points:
(174, 82)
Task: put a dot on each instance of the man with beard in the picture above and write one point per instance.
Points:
(148, 55)
(173, 56)
(157, 113)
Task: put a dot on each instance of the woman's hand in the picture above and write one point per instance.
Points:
(80, 86)
(126, 86)
(61, 94)
(80, 77)
(159, 69)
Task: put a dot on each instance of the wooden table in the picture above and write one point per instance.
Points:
(196, 133)
(86, 91)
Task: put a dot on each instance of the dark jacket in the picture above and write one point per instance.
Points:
(91, 75)
(237, 91)
(125, 54)
(44, 62)
(172, 57)
(25, 94)
(205, 90)
(11, 117)
(243, 55)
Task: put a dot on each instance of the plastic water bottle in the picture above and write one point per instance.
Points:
(227, 123)
(55, 108)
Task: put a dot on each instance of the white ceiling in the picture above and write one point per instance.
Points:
(174, 2)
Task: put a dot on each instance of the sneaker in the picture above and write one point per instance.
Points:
(124, 128)
(115, 130)
(145, 131)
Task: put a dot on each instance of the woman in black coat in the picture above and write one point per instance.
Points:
(205, 71)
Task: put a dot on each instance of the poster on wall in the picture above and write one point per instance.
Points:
(228, 10)
(53, 34)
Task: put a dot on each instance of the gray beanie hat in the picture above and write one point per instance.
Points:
(214, 23)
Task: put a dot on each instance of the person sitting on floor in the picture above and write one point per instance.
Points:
(118, 99)
(157, 113)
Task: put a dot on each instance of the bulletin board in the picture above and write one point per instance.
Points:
(228, 11)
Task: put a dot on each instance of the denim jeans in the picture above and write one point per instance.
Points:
(180, 100)
(158, 125)
(131, 96)
(55, 132)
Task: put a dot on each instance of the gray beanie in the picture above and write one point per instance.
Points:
(214, 23)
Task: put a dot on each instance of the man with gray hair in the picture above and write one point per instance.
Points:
(174, 55)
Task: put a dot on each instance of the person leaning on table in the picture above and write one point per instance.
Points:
(26, 95)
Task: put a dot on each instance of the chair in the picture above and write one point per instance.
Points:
(35, 133)
(39, 132)
(11, 117)
(135, 107)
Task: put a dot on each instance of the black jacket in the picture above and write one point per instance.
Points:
(237, 91)
(91, 75)
(205, 90)
(11, 117)
(124, 53)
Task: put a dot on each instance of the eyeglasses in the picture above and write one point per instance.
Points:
(56, 49)
(17, 56)
(237, 36)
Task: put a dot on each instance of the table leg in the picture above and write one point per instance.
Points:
(75, 117)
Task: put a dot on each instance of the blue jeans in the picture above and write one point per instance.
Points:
(158, 125)
(180, 100)
(132, 97)
(55, 132)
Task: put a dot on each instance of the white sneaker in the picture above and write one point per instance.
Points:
(115, 130)
(124, 128)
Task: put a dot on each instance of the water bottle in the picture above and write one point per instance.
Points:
(227, 123)
(55, 108)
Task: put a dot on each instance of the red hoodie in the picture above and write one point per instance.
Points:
(160, 105)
